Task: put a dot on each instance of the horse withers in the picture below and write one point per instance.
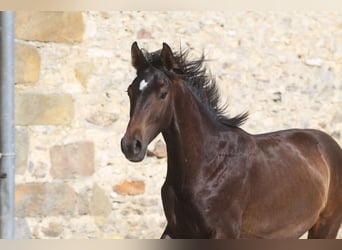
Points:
(221, 181)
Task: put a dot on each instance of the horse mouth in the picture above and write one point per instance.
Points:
(135, 158)
(133, 150)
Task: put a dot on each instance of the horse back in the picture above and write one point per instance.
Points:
(302, 151)
(299, 169)
(310, 145)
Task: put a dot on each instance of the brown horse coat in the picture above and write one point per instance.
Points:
(221, 181)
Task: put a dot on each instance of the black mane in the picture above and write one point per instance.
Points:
(201, 85)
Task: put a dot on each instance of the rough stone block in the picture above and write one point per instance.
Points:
(99, 202)
(103, 119)
(72, 160)
(43, 109)
(27, 64)
(130, 188)
(83, 71)
(22, 149)
(83, 203)
(159, 150)
(53, 229)
(67, 27)
(44, 199)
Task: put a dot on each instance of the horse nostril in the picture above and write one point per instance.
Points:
(137, 146)
(132, 149)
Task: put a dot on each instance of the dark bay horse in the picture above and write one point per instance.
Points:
(223, 182)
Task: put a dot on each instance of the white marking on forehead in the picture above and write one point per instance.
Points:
(143, 84)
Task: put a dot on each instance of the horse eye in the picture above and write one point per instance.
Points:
(163, 95)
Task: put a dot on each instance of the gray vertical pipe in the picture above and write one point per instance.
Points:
(7, 130)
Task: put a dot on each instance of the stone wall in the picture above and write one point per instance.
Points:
(72, 70)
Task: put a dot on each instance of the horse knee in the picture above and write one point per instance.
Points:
(166, 234)
(231, 232)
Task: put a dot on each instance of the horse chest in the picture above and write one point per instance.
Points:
(186, 215)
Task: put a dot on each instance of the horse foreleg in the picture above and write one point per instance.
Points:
(168, 198)
(229, 226)
(325, 227)
(229, 233)
(166, 234)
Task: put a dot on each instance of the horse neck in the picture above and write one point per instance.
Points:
(190, 127)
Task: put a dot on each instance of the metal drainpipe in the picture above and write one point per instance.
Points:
(7, 130)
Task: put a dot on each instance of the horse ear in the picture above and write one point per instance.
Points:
(167, 58)
(139, 61)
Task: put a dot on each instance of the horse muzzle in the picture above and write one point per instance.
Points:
(133, 149)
